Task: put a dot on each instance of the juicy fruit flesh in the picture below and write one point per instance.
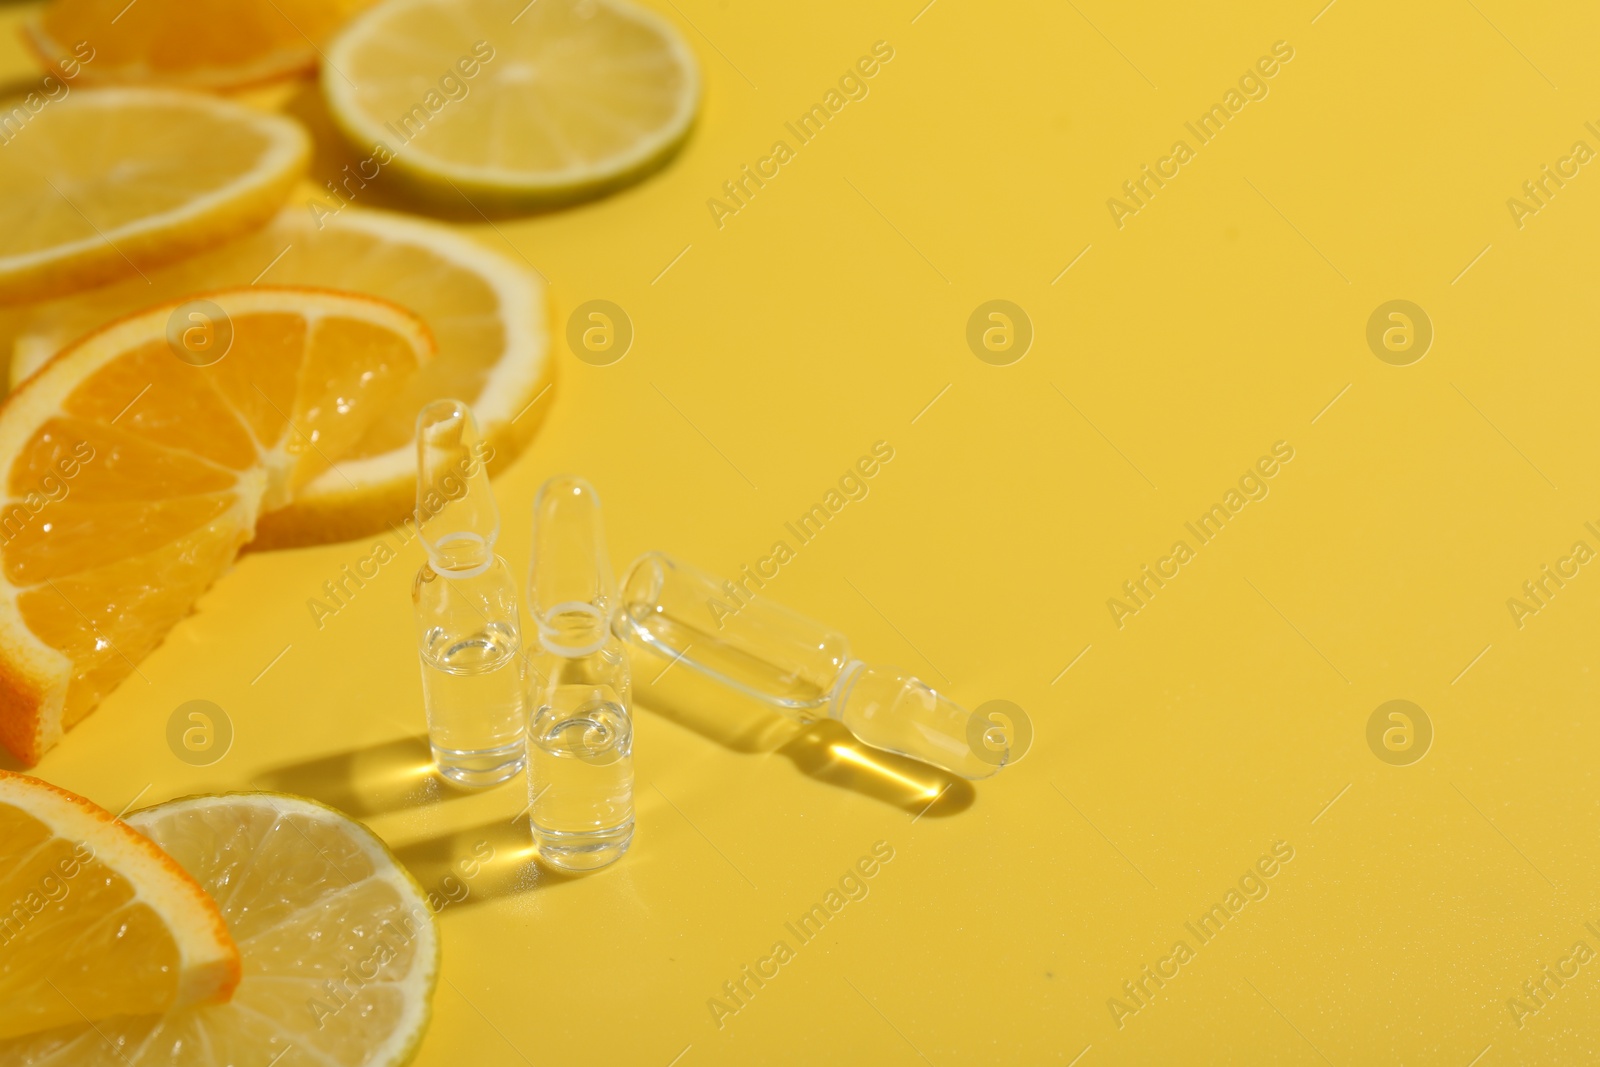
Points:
(98, 921)
(42, 981)
(109, 618)
(179, 461)
(338, 946)
(568, 85)
(461, 309)
(107, 601)
(307, 905)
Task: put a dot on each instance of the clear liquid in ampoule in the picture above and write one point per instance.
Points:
(580, 776)
(474, 688)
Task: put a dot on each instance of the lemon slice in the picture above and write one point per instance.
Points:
(510, 101)
(487, 312)
(101, 922)
(340, 951)
(208, 44)
(134, 475)
(111, 182)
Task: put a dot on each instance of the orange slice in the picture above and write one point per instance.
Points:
(109, 183)
(101, 921)
(488, 311)
(201, 44)
(137, 475)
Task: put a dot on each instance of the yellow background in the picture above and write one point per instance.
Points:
(1223, 317)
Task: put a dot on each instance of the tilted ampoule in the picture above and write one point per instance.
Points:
(465, 599)
(794, 664)
(580, 737)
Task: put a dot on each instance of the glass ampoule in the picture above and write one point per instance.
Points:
(469, 632)
(794, 664)
(580, 736)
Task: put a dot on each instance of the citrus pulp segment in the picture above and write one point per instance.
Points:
(137, 476)
(99, 922)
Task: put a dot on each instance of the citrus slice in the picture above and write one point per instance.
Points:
(99, 921)
(510, 101)
(137, 475)
(111, 182)
(487, 313)
(340, 952)
(201, 44)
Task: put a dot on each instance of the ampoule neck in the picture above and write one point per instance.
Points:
(574, 629)
(571, 587)
(849, 674)
(460, 556)
(457, 519)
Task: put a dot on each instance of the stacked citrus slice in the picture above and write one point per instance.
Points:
(487, 312)
(124, 432)
(99, 921)
(337, 952)
(105, 184)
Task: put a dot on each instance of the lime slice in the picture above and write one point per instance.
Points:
(508, 101)
(339, 947)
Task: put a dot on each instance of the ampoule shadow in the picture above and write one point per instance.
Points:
(477, 864)
(372, 780)
(823, 750)
(828, 752)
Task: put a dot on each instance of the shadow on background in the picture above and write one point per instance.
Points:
(456, 870)
(477, 864)
(828, 752)
(364, 782)
(14, 90)
(823, 750)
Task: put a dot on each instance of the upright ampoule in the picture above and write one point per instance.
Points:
(580, 737)
(798, 666)
(465, 599)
